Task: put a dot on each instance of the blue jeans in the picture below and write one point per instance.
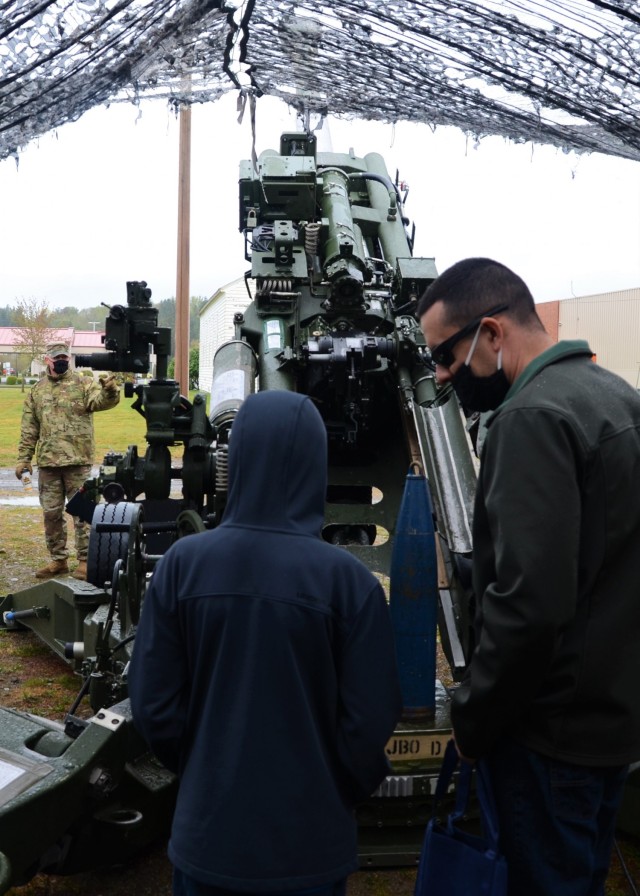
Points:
(557, 821)
(184, 885)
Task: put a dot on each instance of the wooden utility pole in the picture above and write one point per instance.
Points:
(182, 283)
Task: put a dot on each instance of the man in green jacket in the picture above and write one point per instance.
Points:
(57, 427)
(551, 700)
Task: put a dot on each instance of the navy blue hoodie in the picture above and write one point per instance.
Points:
(264, 670)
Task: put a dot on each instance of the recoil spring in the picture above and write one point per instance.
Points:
(311, 237)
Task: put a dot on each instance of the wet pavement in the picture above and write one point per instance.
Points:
(26, 501)
(13, 492)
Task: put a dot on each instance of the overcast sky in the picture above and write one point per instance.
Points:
(95, 204)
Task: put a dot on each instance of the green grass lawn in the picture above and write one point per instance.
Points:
(115, 430)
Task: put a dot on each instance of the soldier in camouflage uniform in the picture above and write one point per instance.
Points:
(57, 426)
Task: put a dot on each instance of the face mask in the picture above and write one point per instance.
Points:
(60, 367)
(480, 393)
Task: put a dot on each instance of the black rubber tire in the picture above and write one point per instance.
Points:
(105, 548)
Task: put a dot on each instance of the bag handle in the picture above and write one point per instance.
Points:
(450, 763)
(484, 793)
(488, 811)
(448, 767)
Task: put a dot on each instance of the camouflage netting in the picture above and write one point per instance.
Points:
(564, 72)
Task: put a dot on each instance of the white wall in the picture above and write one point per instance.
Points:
(216, 325)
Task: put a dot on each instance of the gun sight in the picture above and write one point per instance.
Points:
(131, 336)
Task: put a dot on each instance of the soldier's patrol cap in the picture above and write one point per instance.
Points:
(55, 349)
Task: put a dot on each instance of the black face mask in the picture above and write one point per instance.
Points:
(60, 367)
(480, 393)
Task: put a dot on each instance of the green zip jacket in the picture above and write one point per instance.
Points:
(556, 568)
(57, 419)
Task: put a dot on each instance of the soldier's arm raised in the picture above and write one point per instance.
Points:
(103, 395)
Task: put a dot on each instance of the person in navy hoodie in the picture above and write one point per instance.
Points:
(264, 673)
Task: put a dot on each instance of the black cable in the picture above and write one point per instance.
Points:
(247, 275)
(385, 181)
(122, 643)
(82, 693)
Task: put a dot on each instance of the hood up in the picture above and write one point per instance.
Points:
(277, 464)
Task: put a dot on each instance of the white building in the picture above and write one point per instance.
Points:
(216, 325)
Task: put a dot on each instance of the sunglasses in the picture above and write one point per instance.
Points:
(442, 354)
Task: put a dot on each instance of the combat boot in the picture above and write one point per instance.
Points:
(55, 568)
(80, 572)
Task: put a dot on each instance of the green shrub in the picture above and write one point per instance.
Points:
(11, 380)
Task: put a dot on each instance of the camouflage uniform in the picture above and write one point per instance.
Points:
(54, 484)
(57, 425)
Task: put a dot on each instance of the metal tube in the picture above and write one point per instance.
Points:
(234, 375)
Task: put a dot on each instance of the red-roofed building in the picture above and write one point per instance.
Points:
(14, 357)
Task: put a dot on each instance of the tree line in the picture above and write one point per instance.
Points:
(86, 318)
(34, 322)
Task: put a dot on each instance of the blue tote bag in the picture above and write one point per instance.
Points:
(454, 862)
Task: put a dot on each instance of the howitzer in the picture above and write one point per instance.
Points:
(332, 291)
(331, 297)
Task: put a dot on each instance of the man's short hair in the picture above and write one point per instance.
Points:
(55, 349)
(471, 287)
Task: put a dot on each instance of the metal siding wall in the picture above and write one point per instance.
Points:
(549, 314)
(610, 322)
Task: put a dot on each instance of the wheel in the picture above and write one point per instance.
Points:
(189, 523)
(109, 539)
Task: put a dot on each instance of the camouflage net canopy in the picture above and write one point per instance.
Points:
(562, 72)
